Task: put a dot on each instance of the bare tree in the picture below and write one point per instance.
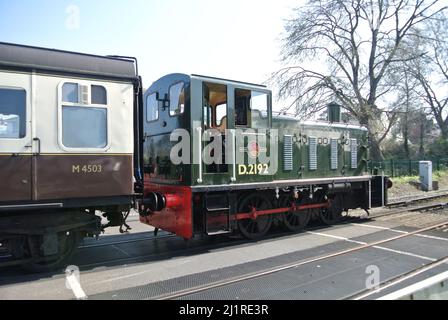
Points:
(344, 50)
(431, 71)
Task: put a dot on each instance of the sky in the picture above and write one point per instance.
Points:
(234, 39)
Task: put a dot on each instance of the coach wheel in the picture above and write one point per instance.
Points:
(254, 228)
(67, 243)
(294, 221)
(333, 214)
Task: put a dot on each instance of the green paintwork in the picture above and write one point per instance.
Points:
(157, 144)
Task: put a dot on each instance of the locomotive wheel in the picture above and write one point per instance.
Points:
(294, 221)
(333, 214)
(67, 243)
(254, 228)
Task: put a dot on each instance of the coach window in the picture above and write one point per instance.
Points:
(177, 99)
(70, 92)
(12, 113)
(84, 124)
(152, 108)
(99, 95)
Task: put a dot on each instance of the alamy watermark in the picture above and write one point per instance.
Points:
(251, 151)
(373, 278)
(73, 19)
(72, 282)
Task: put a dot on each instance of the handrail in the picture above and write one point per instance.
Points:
(233, 178)
(199, 129)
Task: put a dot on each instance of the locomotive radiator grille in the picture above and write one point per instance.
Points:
(313, 153)
(334, 154)
(287, 153)
(354, 153)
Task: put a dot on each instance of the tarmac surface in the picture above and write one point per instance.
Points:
(139, 266)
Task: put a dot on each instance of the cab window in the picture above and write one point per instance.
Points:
(221, 114)
(251, 109)
(215, 106)
(177, 99)
(152, 108)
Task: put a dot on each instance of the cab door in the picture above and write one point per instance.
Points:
(256, 154)
(15, 137)
(215, 125)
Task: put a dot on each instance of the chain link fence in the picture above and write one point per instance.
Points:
(400, 168)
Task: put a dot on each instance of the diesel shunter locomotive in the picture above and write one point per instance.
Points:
(271, 168)
(193, 155)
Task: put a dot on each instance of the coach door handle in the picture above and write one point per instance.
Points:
(38, 146)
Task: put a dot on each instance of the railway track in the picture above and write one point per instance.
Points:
(413, 198)
(217, 284)
(414, 201)
(410, 206)
(204, 246)
(401, 207)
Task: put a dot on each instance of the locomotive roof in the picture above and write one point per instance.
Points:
(51, 60)
(228, 80)
(318, 123)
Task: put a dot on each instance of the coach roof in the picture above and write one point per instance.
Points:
(51, 60)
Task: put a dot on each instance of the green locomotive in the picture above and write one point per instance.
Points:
(217, 159)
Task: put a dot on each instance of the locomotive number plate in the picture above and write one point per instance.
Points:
(252, 169)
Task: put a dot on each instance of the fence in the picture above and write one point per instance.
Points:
(399, 168)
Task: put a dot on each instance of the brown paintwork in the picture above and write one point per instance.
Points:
(55, 177)
(15, 177)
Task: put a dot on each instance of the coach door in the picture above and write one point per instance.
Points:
(15, 137)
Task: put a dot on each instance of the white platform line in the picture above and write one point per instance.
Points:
(376, 247)
(336, 237)
(406, 253)
(398, 231)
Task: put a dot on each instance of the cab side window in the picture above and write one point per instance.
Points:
(152, 108)
(214, 102)
(177, 99)
(12, 113)
(242, 105)
(251, 109)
